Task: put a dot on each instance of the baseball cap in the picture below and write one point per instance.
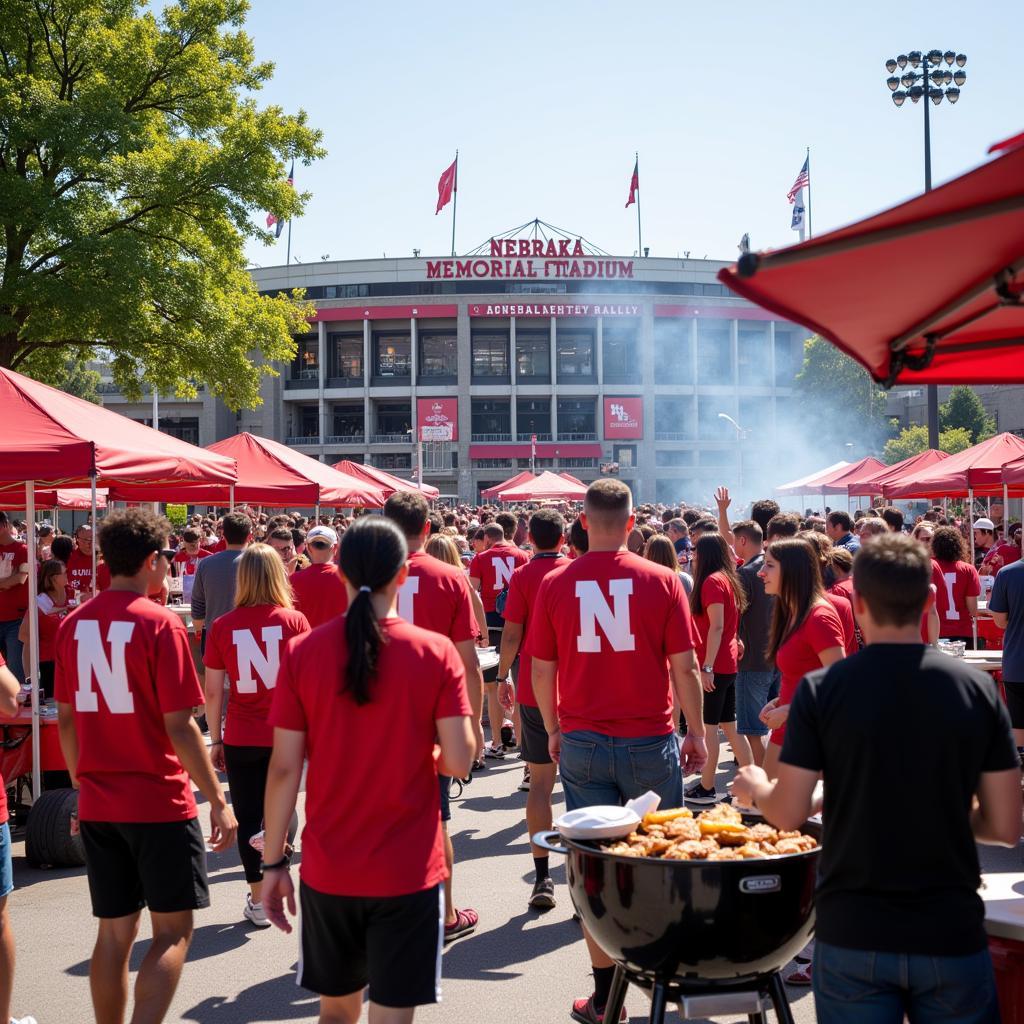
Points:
(984, 524)
(322, 531)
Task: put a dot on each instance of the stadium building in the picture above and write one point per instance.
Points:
(536, 350)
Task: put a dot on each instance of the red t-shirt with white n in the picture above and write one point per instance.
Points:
(13, 600)
(190, 562)
(373, 807)
(522, 597)
(247, 644)
(954, 583)
(494, 568)
(716, 589)
(320, 592)
(435, 596)
(122, 663)
(611, 619)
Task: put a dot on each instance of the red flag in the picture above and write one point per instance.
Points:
(634, 184)
(446, 186)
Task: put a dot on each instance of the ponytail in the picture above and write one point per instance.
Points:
(371, 555)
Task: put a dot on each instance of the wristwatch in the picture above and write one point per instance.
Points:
(707, 668)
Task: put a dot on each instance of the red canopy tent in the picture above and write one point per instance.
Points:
(876, 483)
(875, 291)
(384, 481)
(806, 484)
(975, 471)
(837, 483)
(1013, 475)
(572, 479)
(270, 473)
(76, 498)
(512, 481)
(545, 486)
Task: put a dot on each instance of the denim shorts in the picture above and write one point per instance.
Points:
(609, 770)
(6, 868)
(752, 693)
(858, 985)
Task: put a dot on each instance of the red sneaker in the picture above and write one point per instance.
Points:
(584, 1011)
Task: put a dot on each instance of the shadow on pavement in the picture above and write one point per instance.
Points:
(25, 875)
(276, 999)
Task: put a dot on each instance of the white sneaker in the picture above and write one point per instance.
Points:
(254, 912)
(24, 1020)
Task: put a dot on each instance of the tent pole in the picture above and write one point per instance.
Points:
(1006, 512)
(970, 519)
(95, 528)
(231, 497)
(33, 637)
(316, 513)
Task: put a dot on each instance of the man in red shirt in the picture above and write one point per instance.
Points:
(435, 596)
(489, 573)
(319, 589)
(546, 529)
(616, 630)
(80, 564)
(188, 556)
(126, 686)
(14, 568)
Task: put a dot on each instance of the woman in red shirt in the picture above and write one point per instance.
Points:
(805, 633)
(365, 697)
(957, 584)
(244, 647)
(51, 607)
(716, 601)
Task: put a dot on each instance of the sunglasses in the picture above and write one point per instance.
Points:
(168, 554)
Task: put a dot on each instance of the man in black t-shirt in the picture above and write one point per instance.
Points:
(900, 925)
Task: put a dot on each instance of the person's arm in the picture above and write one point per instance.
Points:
(474, 689)
(458, 744)
(787, 801)
(484, 639)
(689, 695)
(716, 630)
(1001, 619)
(283, 778)
(723, 501)
(475, 583)
(544, 677)
(214, 680)
(996, 819)
(511, 642)
(16, 579)
(972, 605)
(188, 744)
(934, 624)
(68, 740)
(775, 715)
(198, 609)
(9, 690)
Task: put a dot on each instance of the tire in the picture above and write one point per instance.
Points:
(48, 838)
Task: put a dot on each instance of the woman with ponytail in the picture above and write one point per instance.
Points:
(367, 698)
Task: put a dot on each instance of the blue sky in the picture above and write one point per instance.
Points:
(547, 102)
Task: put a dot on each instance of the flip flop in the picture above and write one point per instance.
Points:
(465, 922)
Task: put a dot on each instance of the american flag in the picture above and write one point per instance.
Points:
(802, 179)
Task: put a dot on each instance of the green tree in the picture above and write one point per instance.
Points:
(839, 400)
(964, 409)
(133, 161)
(914, 440)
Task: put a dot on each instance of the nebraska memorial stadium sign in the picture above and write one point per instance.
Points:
(525, 258)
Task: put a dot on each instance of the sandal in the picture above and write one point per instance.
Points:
(584, 1011)
(801, 976)
(464, 923)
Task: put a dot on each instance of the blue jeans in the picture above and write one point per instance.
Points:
(609, 770)
(10, 647)
(857, 986)
(752, 690)
(6, 870)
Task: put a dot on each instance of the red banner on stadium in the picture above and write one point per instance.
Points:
(437, 412)
(623, 419)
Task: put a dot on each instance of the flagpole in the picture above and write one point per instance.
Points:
(639, 234)
(288, 261)
(810, 220)
(455, 199)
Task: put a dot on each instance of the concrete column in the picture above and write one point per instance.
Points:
(322, 379)
(646, 472)
(554, 379)
(465, 369)
(413, 378)
(513, 423)
(366, 381)
(599, 352)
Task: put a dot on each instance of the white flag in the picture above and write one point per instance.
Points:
(799, 213)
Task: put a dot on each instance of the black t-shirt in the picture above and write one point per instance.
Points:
(756, 618)
(901, 734)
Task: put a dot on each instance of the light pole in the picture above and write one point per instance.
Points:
(934, 82)
(741, 434)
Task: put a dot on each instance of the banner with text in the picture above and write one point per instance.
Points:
(623, 419)
(435, 413)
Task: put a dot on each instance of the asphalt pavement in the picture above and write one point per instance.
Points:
(519, 965)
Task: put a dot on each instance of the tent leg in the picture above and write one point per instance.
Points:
(1006, 513)
(231, 497)
(95, 528)
(970, 519)
(33, 638)
(316, 514)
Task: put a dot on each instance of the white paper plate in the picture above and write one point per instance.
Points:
(598, 823)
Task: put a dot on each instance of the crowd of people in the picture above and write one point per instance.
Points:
(631, 641)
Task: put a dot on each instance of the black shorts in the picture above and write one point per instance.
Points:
(533, 737)
(495, 625)
(131, 865)
(445, 781)
(720, 703)
(393, 944)
(1015, 703)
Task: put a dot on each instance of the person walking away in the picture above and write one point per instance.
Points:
(126, 686)
(436, 597)
(717, 600)
(805, 631)
(244, 649)
(616, 631)
(1006, 607)
(659, 549)
(14, 569)
(319, 589)
(51, 607)
(365, 684)
(446, 549)
(489, 573)
(898, 932)
(546, 529)
(957, 584)
(213, 593)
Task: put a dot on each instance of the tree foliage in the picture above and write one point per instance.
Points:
(133, 159)
(914, 440)
(964, 409)
(838, 400)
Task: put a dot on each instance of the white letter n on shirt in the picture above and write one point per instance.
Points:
(594, 609)
(112, 676)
